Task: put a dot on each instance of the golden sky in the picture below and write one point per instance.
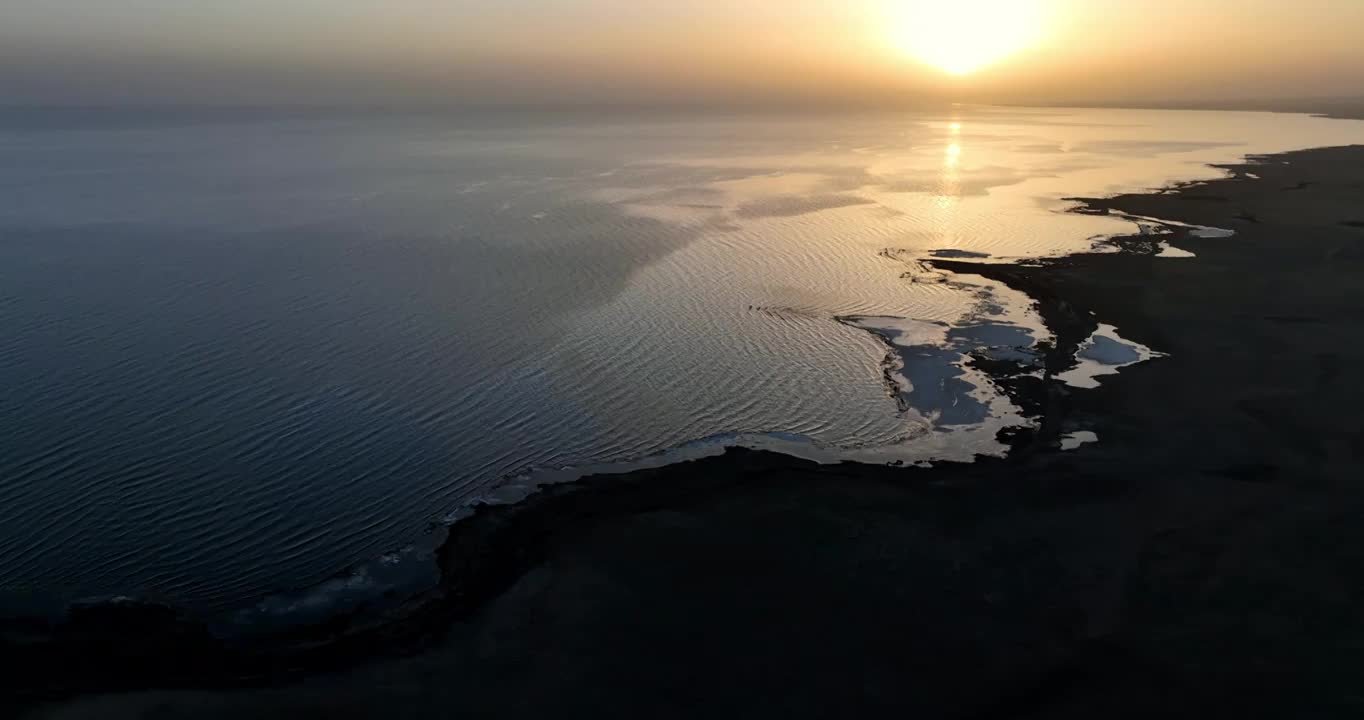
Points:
(652, 51)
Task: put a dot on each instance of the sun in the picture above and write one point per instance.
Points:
(960, 37)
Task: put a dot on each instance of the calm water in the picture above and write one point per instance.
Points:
(242, 353)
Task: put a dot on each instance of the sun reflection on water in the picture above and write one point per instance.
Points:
(949, 182)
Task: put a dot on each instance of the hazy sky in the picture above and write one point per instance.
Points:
(652, 51)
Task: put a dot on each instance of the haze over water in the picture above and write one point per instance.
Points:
(244, 352)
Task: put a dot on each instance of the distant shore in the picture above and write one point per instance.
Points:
(1340, 108)
(1203, 558)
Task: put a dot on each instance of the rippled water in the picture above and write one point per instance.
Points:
(242, 353)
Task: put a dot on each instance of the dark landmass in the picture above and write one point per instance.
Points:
(1204, 559)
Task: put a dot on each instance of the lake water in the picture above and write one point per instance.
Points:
(245, 352)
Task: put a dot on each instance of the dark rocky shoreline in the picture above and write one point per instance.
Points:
(1203, 559)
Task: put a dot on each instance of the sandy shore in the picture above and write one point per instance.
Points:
(1204, 559)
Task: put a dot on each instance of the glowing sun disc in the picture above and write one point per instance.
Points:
(962, 36)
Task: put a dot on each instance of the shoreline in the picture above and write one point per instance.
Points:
(1170, 458)
(1336, 108)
